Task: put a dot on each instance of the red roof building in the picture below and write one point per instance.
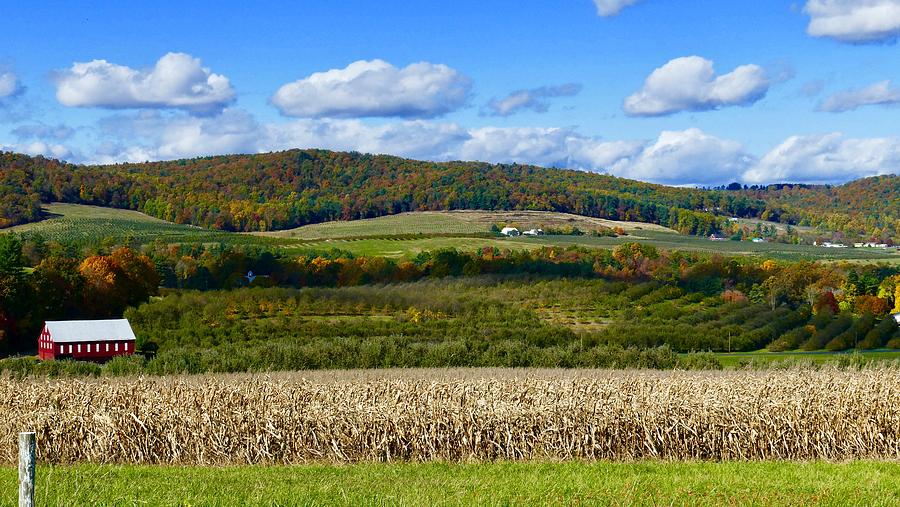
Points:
(86, 340)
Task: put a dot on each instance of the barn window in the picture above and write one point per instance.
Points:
(79, 348)
(117, 346)
(70, 349)
(107, 347)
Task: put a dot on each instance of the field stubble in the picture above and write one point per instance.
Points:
(458, 416)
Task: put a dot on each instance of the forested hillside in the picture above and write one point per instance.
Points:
(292, 188)
(871, 205)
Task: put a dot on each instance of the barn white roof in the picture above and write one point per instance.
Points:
(67, 331)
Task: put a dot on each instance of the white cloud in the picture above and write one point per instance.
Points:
(375, 88)
(690, 84)
(151, 135)
(828, 158)
(880, 93)
(558, 147)
(535, 99)
(177, 81)
(48, 150)
(9, 84)
(854, 21)
(687, 157)
(612, 7)
(415, 139)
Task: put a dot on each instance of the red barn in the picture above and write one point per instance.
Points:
(86, 340)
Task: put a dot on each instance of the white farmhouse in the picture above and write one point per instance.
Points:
(533, 232)
(509, 231)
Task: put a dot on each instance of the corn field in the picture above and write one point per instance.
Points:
(458, 415)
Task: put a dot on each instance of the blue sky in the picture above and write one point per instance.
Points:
(673, 91)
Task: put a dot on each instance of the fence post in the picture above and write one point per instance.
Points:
(26, 469)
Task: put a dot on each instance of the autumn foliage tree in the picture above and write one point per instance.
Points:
(116, 281)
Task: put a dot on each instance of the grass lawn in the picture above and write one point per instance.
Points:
(738, 359)
(644, 483)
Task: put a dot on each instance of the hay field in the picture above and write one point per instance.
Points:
(453, 222)
(458, 416)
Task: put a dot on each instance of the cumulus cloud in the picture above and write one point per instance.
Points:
(681, 157)
(687, 157)
(612, 7)
(9, 84)
(827, 158)
(48, 150)
(177, 81)
(854, 21)
(152, 135)
(552, 147)
(375, 88)
(535, 99)
(881, 93)
(690, 84)
(416, 139)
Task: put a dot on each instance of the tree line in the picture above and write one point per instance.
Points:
(66, 285)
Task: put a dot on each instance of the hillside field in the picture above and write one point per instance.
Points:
(454, 222)
(405, 235)
(76, 222)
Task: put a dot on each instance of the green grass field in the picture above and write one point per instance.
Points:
(453, 222)
(506, 483)
(405, 247)
(763, 358)
(362, 236)
(395, 236)
(75, 222)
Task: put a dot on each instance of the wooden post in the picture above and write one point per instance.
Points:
(26, 469)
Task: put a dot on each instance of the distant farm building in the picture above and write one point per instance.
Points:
(897, 317)
(509, 231)
(86, 340)
(533, 232)
(717, 237)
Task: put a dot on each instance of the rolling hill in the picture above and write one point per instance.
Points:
(285, 190)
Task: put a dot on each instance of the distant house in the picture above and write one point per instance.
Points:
(759, 240)
(86, 340)
(533, 232)
(717, 237)
(509, 231)
(897, 317)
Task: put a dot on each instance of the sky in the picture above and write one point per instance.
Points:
(680, 92)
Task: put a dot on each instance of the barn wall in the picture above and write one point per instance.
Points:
(98, 350)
